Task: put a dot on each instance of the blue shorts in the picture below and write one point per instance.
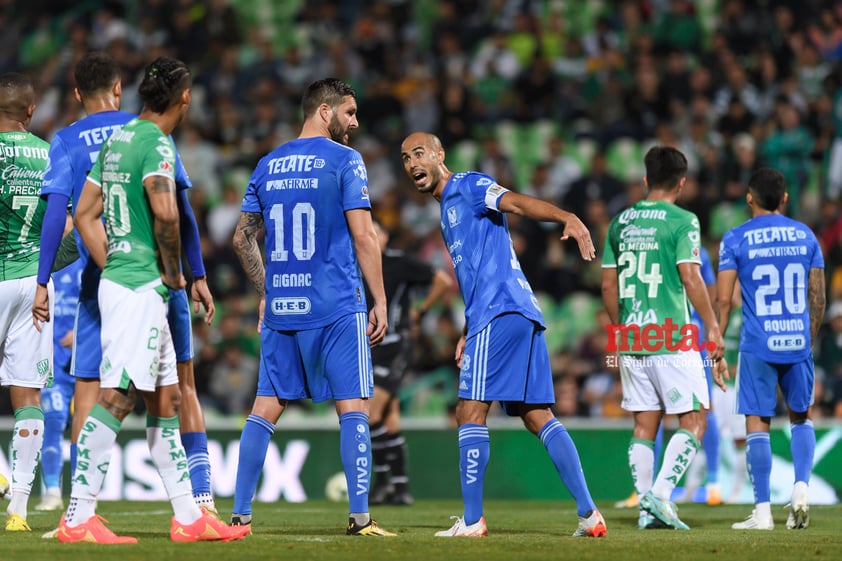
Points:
(331, 362)
(758, 381)
(181, 329)
(55, 400)
(87, 347)
(508, 362)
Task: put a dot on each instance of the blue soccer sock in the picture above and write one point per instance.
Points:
(474, 452)
(196, 447)
(253, 445)
(759, 461)
(710, 444)
(565, 457)
(803, 447)
(355, 451)
(73, 448)
(51, 459)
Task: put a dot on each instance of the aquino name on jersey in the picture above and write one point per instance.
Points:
(773, 255)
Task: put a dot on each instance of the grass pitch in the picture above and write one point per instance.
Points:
(517, 530)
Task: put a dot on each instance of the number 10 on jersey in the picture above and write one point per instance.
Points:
(303, 222)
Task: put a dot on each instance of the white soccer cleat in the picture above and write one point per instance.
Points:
(799, 511)
(462, 530)
(754, 522)
(592, 526)
(50, 501)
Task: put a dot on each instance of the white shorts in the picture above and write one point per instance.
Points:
(136, 341)
(730, 422)
(26, 356)
(674, 383)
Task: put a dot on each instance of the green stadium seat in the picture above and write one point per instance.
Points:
(462, 156)
(624, 158)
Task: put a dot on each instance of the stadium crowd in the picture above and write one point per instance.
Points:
(558, 99)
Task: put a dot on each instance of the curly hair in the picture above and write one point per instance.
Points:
(95, 72)
(164, 80)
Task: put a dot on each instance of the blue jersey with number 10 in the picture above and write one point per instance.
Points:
(773, 255)
(477, 236)
(302, 189)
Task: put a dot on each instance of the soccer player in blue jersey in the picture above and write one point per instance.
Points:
(502, 353)
(780, 268)
(55, 400)
(711, 439)
(72, 153)
(310, 197)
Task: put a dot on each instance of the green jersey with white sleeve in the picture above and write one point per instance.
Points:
(23, 161)
(130, 155)
(646, 243)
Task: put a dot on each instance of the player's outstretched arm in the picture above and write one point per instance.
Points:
(536, 209)
(816, 297)
(160, 191)
(371, 264)
(89, 224)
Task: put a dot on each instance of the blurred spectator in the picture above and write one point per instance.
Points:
(223, 218)
(597, 184)
(563, 170)
(678, 27)
(495, 163)
(787, 148)
(829, 358)
(233, 381)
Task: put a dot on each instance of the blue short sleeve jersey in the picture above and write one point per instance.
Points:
(477, 236)
(773, 255)
(73, 151)
(303, 189)
(709, 278)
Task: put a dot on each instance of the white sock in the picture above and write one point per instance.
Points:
(27, 439)
(93, 455)
(695, 475)
(642, 464)
(205, 499)
(763, 511)
(167, 452)
(679, 454)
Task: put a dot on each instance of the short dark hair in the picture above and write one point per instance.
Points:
(96, 72)
(16, 95)
(164, 80)
(329, 90)
(767, 186)
(665, 166)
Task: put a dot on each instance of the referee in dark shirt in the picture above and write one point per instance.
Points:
(403, 275)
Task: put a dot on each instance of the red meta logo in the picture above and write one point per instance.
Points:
(654, 338)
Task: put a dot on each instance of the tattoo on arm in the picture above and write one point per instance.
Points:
(161, 184)
(248, 250)
(816, 297)
(169, 244)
